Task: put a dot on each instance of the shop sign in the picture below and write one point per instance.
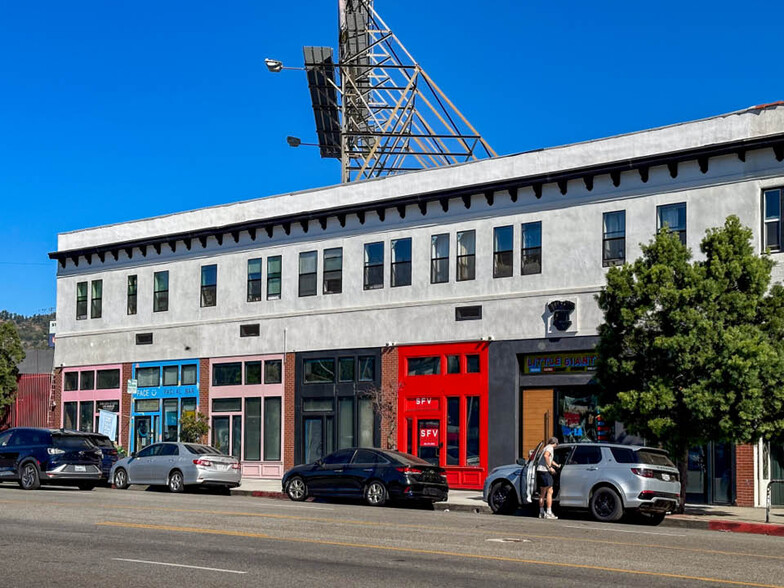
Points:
(422, 403)
(107, 424)
(131, 387)
(166, 392)
(559, 363)
(428, 437)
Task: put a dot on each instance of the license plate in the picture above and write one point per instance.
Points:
(80, 469)
(432, 492)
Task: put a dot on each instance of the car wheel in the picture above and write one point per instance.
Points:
(176, 482)
(121, 479)
(28, 477)
(297, 489)
(502, 499)
(87, 486)
(375, 493)
(650, 518)
(606, 505)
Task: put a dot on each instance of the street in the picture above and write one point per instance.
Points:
(61, 536)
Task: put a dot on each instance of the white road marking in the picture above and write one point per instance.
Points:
(174, 565)
(625, 531)
(508, 540)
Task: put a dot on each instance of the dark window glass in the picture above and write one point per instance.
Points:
(317, 405)
(81, 300)
(586, 455)
(346, 369)
(364, 456)
(400, 250)
(674, 217)
(87, 380)
(86, 413)
(374, 266)
(160, 296)
(188, 375)
(453, 364)
(472, 364)
(71, 381)
(148, 377)
(171, 375)
(209, 285)
(227, 374)
(468, 313)
(150, 451)
(472, 431)
(772, 199)
(503, 244)
(254, 280)
(132, 294)
(439, 259)
(148, 405)
(308, 263)
(69, 415)
(333, 271)
(273, 371)
(226, 405)
(170, 428)
(318, 371)
(366, 428)
(345, 422)
(613, 238)
(424, 366)
(71, 442)
(144, 338)
(252, 429)
(169, 449)
(367, 369)
(273, 277)
(201, 449)
(652, 457)
(252, 372)
(250, 330)
(108, 379)
(466, 255)
(452, 431)
(96, 297)
(110, 405)
(532, 248)
(339, 457)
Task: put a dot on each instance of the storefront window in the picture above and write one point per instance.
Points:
(319, 371)
(578, 419)
(110, 405)
(273, 371)
(171, 375)
(472, 431)
(220, 434)
(424, 366)
(227, 374)
(147, 405)
(316, 404)
(226, 405)
(148, 377)
(236, 436)
(366, 423)
(108, 379)
(189, 406)
(170, 418)
(252, 429)
(86, 412)
(188, 375)
(452, 431)
(345, 422)
(252, 372)
(69, 415)
(272, 412)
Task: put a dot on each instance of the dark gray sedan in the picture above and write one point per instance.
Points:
(177, 465)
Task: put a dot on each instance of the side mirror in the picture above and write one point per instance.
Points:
(133, 454)
(520, 461)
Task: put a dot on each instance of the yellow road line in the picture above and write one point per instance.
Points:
(198, 530)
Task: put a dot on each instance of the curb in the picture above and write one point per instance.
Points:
(756, 528)
(260, 494)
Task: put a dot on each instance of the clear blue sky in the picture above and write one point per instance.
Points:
(112, 111)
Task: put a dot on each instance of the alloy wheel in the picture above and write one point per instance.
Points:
(175, 482)
(121, 479)
(28, 476)
(376, 493)
(296, 489)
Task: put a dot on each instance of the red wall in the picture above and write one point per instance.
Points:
(31, 405)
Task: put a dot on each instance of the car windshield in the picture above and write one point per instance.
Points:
(652, 457)
(71, 442)
(102, 442)
(407, 458)
(201, 449)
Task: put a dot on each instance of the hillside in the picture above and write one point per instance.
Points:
(33, 330)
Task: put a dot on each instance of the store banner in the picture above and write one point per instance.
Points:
(428, 437)
(107, 424)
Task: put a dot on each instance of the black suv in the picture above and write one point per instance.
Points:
(35, 456)
(108, 451)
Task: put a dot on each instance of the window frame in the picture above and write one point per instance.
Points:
(209, 273)
(81, 300)
(306, 277)
(332, 279)
(498, 253)
(160, 297)
(779, 193)
(132, 295)
(682, 233)
(465, 270)
(611, 237)
(438, 264)
(254, 283)
(378, 282)
(274, 293)
(529, 254)
(398, 266)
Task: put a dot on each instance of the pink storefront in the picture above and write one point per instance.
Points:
(88, 390)
(246, 412)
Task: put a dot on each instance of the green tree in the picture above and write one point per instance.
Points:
(11, 354)
(693, 351)
(194, 426)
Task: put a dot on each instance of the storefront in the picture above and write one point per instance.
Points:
(334, 402)
(165, 391)
(442, 408)
(246, 409)
(86, 392)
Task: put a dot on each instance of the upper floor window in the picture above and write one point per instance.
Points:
(772, 202)
(160, 297)
(71, 381)
(374, 266)
(674, 217)
(308, 263)
(400, 251)
(132, 294)
(439, 259)
(424, 366)
(148, 377)
(227, 374)
(503, 238)
(273, 277)
(613, 238)
(254, 280)
(466, 255)
(107, 379)
(209, 284)
(273, 371)
(189, 373)
(333, 270)
(81, 300)
(96, 295)
(319, 371)
(532, 248)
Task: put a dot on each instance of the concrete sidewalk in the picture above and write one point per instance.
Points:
(715, 518)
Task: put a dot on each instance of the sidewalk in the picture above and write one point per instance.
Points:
(734, 519)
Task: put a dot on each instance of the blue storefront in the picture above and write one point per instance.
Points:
(165, 391)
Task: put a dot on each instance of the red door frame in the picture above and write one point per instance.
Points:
(437, 388)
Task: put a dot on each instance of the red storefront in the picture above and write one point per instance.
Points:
(442, 408)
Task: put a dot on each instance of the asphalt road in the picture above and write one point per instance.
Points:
(56, 537)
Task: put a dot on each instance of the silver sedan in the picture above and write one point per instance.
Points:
(177, 465)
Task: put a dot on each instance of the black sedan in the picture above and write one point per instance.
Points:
(376, 475)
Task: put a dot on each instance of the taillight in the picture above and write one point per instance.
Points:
(643, 473)
(235, 466)
(202, 462)
(54, 451)
(409, 470)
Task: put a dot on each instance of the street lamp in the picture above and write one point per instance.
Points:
(296, 142)
(275, 65)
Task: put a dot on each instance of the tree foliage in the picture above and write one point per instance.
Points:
(693, 351)
(194, 426)
(11, 354)
(33, 330)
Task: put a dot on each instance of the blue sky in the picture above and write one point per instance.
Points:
(114, 111)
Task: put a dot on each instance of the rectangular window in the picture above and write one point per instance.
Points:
(772, 201)
(170, 428)
(148, 377)
(374, 266)
(86, 412)
(453, 431)
(227, 405)
(81, 300)
(674, 217)
(345, 423)
(108, 405)
(227, 374)
(273, 371)
(472, 364)
(466, 255)
(472, 431)
(236, 436)
(272, 429)
(96, 295)
(188, 405)
(87, 380)
(468, 313)
(189, 375)
(209, 285)
(317, 405)
(532, 248)
(148, 405)
(319, 371)
(253, 429)
(613, 238)
(367, 423)
(400, 251)
(503, 244)
(254, 280)
(424, 366)
(108, 380)
(144, 338)
(69, 415)
(333, 270)
(346, 369)
(308, 263)
(171, 375)
(367, 369)
(273, 277)
(160, 296)
(71, 381)
(453, 364)
(252, 373)
(439, 259)
(249, 330)
(132, 292)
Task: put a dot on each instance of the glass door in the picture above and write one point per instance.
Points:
(696, 485)
(429, 440)
(220, 434)
(318, 438)
(721, 473)
(170, 420)
(143, 431)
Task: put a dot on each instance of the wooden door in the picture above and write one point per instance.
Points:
(537, 419)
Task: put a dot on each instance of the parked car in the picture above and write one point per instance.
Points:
(177, 465)
(608, 480)
(108, 453)
(32, 456)
(373, 474)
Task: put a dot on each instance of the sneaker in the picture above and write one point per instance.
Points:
(541, 514)
(549, 515)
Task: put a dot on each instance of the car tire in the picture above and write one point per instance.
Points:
(375, 493)
(29, 478)
(121, 479)
(297, 489)
(606, 505)
(502, 499)
(176, 482)
(86, 486)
